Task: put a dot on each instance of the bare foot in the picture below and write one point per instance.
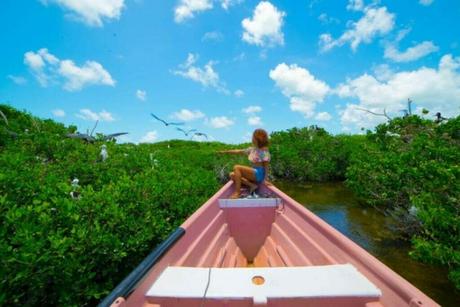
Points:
(252, 188)
(235, 195)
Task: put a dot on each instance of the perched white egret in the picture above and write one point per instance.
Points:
(75, 194)
(104, 153)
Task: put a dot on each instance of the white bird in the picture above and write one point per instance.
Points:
(104, 153)
(75, 182)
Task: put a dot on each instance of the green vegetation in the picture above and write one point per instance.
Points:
(410, 168)
(62, 250)
(70, 244)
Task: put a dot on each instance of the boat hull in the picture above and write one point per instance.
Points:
(261, 234)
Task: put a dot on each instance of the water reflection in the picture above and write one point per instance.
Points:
(372, 230)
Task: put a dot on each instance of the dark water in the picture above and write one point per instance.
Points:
(335, 204)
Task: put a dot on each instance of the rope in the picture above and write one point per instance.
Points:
(203, 300)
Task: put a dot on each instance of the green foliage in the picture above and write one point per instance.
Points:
(411, 166)
(311, 154)
(60, 250)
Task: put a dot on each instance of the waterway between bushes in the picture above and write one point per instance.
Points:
(372, 230)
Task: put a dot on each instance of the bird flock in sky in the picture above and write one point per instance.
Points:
(185, 132)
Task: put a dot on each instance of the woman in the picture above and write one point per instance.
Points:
(259, 156)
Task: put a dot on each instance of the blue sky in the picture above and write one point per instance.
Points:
(226, 67)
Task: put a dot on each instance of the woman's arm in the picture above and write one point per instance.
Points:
(232, 151)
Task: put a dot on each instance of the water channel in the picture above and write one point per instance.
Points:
(372, 230)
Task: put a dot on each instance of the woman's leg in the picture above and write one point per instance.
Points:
(243, 174)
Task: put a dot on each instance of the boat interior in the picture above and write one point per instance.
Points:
(257, 242)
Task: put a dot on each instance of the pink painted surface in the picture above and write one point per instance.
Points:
(272, 237)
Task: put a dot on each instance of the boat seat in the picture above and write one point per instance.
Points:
(261, 284)
(249, 202)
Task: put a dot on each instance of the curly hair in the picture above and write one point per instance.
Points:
(260, 138)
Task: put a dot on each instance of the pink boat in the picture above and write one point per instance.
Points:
(261, 252)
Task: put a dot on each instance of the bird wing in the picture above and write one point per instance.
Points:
(179, 129)
(177, 124)
(113, 135)
(157, 118)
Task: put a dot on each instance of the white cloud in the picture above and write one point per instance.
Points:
(383, 72)
(188, 8)
(188, 115)
(91, 12)
(226, 4)
(141, 95)
(149, 137)
(255, 121)
(214, 36)
(323, 116)
(58, 112)
(377, 21)
(206, 76)
(221, 122)
(264, 28)
(252, 109)
(355, 5)
(238, 93)
(91, 73)
(87, 114)
(437, 90)
(325, 19)
(19, 80)
(425, 2)
(412, 53)
(48, 68)
(300, 86)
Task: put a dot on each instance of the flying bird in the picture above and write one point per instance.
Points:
(81, 136)
(200, 134)
(112, 136)
(185, 132)
(164, 122)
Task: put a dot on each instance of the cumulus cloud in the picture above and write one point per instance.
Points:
(78, 77)
(19, 80)
(255, 121)
(214, 36)
(377, 21)
(238, 93)
(221, 122)
(425, 2)
(206, 75)
(300, 86)
(264, 28)
(188, 115)
(141, 95)
(355, 5)
(87, 114)
(410, 54)
(325, 19)
(323, 116)
(47, 68)
(436, 89)
(252, 109)
(149, 137)
(91, 12)
(58, 112)
(187, 9)
(226, 4)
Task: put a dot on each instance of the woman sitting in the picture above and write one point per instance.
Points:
(259, 156)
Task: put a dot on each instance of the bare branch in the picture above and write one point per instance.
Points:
(373, 113)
